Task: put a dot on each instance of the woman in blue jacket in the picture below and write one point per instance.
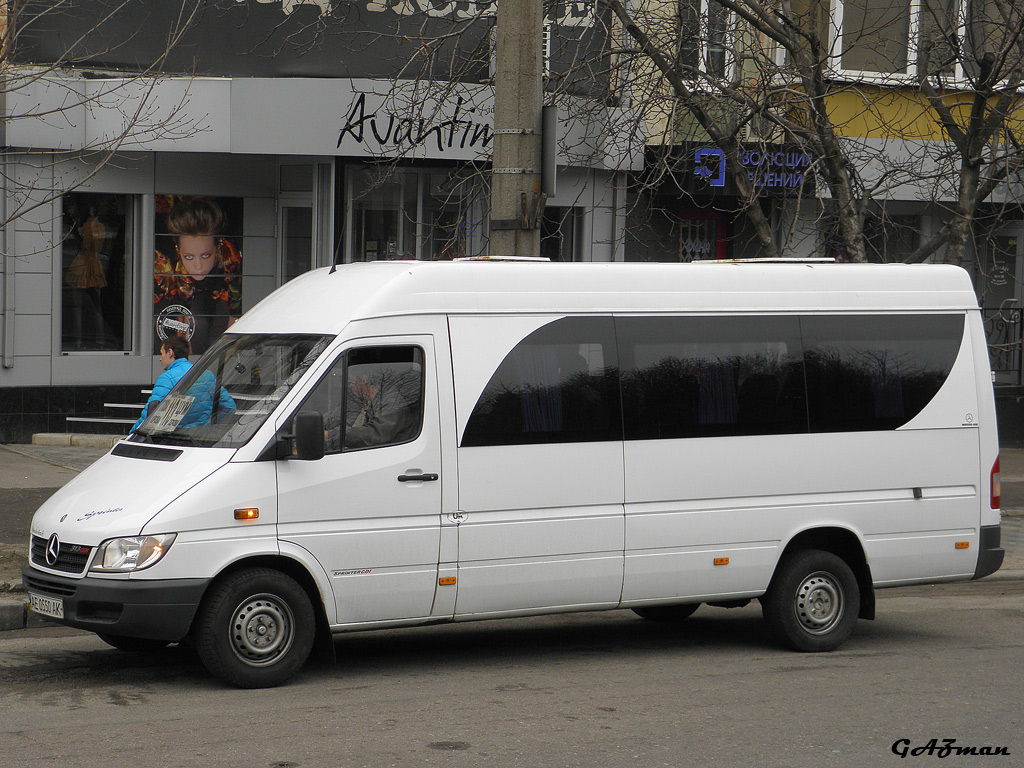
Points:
(174, 358)
(201, 393)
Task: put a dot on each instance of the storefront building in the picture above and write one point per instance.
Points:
(152, 206)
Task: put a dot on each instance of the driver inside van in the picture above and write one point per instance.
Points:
(382, 401)
(386, 424)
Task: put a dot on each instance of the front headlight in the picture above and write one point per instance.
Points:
(132, 553)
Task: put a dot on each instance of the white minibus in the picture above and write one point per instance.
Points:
(412, 443)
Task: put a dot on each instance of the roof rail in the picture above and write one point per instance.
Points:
(502, 258)
(778, 260)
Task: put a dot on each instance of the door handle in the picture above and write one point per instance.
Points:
(429, 476)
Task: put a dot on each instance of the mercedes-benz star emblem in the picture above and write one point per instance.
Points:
(52, 550)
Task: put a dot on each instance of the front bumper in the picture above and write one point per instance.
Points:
(155, 610)
(990, 553)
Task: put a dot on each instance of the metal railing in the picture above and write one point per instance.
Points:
(1003, 330)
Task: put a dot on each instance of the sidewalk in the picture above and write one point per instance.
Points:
(29, 474)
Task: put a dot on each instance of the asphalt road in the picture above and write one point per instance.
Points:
(595, 690)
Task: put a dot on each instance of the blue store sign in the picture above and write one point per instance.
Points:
(772, 168)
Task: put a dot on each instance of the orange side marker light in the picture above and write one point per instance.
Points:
(963, 545)
(246, 514)
(721, 561)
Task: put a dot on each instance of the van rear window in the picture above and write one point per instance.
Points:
(582, 379)
(875, 372)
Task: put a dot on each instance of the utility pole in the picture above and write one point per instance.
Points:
(516, 198)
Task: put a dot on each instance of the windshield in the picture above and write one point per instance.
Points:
(228, 394)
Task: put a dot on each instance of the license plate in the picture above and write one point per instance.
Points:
(47, 606)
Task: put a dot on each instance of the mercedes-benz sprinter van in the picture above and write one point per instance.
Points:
(411, 443)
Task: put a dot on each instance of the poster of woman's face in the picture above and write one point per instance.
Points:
(197, 269)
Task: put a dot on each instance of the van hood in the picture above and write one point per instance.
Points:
(117, 495)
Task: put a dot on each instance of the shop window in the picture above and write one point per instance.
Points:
(197, 268)
(96, 280)
(558, 240)
(701, 237)
(296, 240)
(407, 214)
(891, 238)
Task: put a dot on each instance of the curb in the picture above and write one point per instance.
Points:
(61, 440)
(75, 440)
(13, 614)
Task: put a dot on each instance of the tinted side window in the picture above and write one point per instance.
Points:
(558, 385)
(371, 397)
(876, 372)
(705, 377)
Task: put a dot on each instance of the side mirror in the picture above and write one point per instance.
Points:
(308, 435)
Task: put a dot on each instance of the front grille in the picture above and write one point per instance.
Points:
(72, 558)
(42, 585)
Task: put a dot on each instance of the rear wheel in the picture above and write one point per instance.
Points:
(255, 628)
(812, 602)
(132, 644)
(666, 613)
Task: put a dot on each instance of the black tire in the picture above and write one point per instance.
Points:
(666, 613)
(812, 602)
(133, 644)
(255, 628)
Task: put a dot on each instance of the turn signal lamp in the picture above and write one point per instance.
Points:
(963, 545)
(246, 514)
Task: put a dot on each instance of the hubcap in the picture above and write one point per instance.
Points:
(262, 629)
(819, 603)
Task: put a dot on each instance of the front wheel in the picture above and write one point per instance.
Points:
(255, 628)
(812, 602)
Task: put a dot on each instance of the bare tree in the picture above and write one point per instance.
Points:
(743, 71)
(980, 47)
(51, 80)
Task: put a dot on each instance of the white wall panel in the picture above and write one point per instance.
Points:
(32, 335)
(254, 289)
(180, 173)
(31, 371)
(260, 216)
(97, 369)
(259, 256)
(128, 173)
(32, 293)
